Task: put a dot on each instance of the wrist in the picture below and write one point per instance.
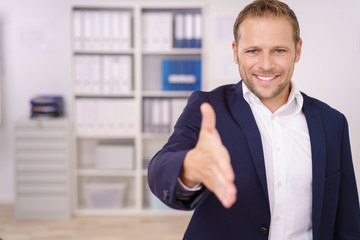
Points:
(187, 172)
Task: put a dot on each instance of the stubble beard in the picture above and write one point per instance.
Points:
(276, 92)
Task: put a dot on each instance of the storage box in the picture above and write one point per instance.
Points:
(105, 195)
(114, 157)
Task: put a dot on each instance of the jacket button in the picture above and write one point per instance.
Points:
(166, 195)
(264, 231)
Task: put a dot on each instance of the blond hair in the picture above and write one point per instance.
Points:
(260, 8)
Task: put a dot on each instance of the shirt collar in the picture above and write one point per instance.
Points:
(295, 97)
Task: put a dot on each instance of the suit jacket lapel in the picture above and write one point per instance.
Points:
(318, 152)
(242, 113)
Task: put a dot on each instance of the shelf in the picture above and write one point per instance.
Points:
(105, 173)
(117, 136)
(169, 212)
(103, 5)
(161, 94)
(131, 211)
(105, 95)
(174, 51)
(104, 52)
(97, 112)
(107, 212)
(155, 136)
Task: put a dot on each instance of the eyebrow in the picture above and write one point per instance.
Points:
(282, 47)
(275, 47)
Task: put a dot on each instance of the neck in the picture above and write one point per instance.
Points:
(275, 103)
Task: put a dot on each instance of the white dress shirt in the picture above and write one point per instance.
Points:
(287, 154)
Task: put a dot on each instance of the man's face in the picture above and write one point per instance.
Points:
(266, 55)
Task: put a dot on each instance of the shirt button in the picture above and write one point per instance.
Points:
(279, 184)
(277, 218)
(278, 149)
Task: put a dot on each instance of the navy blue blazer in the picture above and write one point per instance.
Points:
(335, 213)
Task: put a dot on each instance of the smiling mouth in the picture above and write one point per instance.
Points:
(266, 78)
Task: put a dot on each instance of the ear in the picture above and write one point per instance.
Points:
(298, 51)
(236, 60)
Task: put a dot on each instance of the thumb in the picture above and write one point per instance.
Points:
(208, 120)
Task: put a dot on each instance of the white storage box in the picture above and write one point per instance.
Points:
(104, 195)
(114, 157)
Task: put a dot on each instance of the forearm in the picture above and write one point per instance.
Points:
(163, 173)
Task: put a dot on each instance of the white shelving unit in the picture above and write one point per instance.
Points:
(42, 172)
(146, 83)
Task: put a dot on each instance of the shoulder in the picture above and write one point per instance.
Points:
(216, 94)
(326, 111)
(216, 97)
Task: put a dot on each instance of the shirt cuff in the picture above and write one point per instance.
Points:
(193, 189)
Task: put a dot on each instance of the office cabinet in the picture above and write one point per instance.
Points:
(42, 170)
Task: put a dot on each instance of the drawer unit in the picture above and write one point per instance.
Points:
(42, 172)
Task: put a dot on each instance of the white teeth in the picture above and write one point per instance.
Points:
(265, 78)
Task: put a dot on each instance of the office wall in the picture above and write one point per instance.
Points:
(330, 60)
(36, 59)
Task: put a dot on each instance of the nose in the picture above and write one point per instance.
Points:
(266, 62)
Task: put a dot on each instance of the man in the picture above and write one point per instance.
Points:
(259, 159)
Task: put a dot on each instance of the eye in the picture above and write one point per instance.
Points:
(279, 51)
(252, 51)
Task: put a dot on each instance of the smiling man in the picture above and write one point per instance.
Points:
(259, 159)
(266, 53)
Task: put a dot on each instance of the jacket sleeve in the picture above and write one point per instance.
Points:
(166, 165)
(347, 225)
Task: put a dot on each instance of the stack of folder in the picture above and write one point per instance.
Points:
(47, 106)
(105, 116)
(188, 30)
(161, 114)
(102, 29)
(157, 31)
(103, 74)
(167, 30)
(181, 74)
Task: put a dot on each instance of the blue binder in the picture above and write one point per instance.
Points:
(181, 74)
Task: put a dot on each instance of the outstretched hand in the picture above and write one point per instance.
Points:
(209, 162)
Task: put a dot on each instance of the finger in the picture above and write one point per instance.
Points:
(225, 191)
(229, 188)
(208, 117)
(224, 164)
(229, 196)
